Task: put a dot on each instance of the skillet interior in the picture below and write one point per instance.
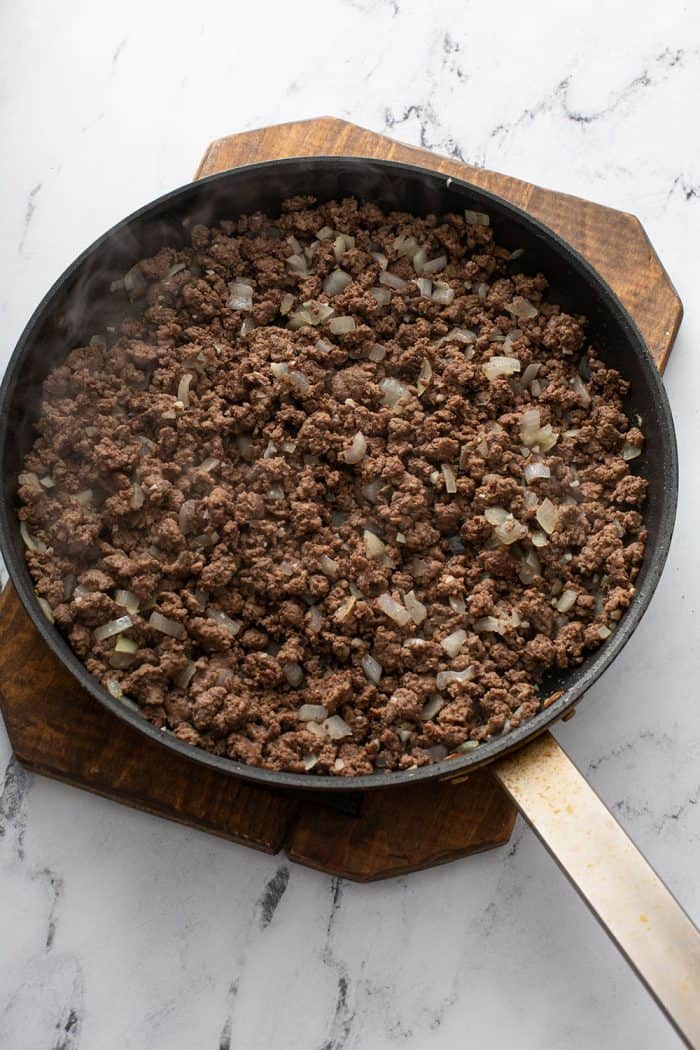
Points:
(80, 304)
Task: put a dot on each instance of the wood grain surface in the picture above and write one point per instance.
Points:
(59, 730)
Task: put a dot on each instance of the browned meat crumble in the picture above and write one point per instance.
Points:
(341, 493)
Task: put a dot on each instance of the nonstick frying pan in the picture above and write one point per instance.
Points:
(629, 899)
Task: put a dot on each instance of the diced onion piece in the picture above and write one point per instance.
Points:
(336, 282)
(325, 233)
(547, 515)
(341, 325)
(425, 287)
(459, 335)
(532, 433)
(328, 565)
(443, 678)
(186, 516)
(336, 728)
(567, 600)
(372, 668)
(530, 567)
(84, 497)
(538, 539)
(435, 265)
(173, 628)
(482, 291)
(581, 390)
(391, 280)
(521, 308)
(341, 244)
(286, 303)
(311, 313)
(532, 369)
(405, 245)
(416, 609)
(315, 619)
(393, 609)
(393, 391)
(122, 623)
(134, 281)
(371, 491)
(419, 260)
(510, 531)
(343, 611)
(312, 713)
(381, 295)
(476, 218)
(209, 464)
(431, 707)
(530, 426)
(129, 600)
(183, 389)
(241, 297)
(279, 369)
(232, 626)
(630, 451)
(377, 353)
(547, 438)
(454, 642)
(297, 263)
(496, 515)
(457, 605)
(500, 366)
(47, 481)
(298, 380)
(491, 624)
(604, 632)
(294, 674)
(309, 762)
(183, 679)
(114, 688)
(375, 547)
(120, 661)
(324, 346)
(30, 542)
(442, 293)
(450, 480)
(533, 471)
(424, 377)
(357, 450)
(530, 500)
(46, 609)
(125, 645)
(380, 258)
(137, 497)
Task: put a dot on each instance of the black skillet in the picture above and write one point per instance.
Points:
(538, 776)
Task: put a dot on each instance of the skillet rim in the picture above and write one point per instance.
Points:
(485, 753)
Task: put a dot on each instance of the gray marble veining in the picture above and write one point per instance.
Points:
(120, 931)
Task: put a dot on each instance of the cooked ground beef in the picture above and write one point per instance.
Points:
(355, 485)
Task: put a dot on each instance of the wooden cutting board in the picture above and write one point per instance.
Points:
(58, 730)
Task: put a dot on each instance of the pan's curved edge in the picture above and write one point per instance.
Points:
(487, 752)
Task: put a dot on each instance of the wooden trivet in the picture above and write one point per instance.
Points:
(58, 730)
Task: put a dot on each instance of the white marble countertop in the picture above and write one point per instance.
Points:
(122, 931)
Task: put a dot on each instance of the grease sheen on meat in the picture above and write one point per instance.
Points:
(352, 574)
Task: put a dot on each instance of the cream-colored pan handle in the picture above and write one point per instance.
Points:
(619, 886)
